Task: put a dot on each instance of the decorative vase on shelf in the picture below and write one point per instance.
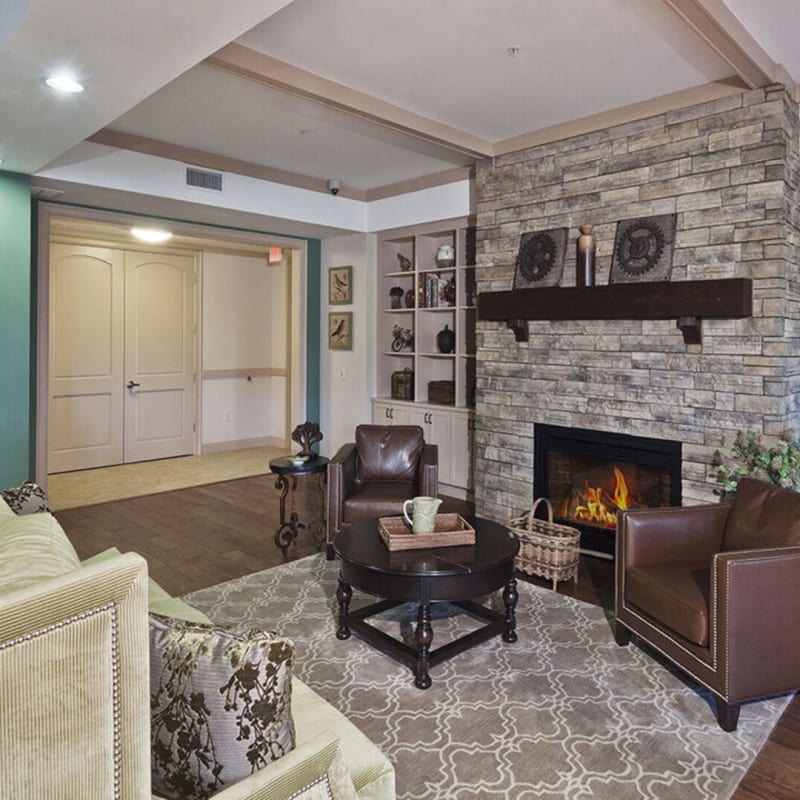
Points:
(396, 294)
(587, 246)
(445, 256)
(410, 296)
(446, 340)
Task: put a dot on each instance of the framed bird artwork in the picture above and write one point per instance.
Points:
(340, 285)
(340, 330)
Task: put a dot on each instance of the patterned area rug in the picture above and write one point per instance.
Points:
(562, 713)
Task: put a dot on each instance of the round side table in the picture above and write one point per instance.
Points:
(287, 472)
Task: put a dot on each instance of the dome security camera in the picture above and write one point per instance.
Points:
(334, 186)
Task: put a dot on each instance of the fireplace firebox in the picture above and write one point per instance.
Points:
(590, 475)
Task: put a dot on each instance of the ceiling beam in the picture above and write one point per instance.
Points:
(257, 66)
(624, 114)
(202, 158)
(723, 31)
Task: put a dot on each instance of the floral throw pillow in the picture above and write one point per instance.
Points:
(27, 498)
(220, 705)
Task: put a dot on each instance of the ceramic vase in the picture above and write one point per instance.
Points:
(446, 340)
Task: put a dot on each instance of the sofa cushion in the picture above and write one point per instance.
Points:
(763, 515)
(314, 770)
(158, 600)
(27, 498)
(382, 499)
(371, 771)
(388, 452)
(220, 705)
(33, 548)
(5, 510)
(675, 596)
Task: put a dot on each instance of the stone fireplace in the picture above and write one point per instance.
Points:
(590, 476)
(729, 170)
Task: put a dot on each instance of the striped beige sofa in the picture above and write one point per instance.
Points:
(74, 682)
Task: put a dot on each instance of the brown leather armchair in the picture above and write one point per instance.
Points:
(716, 589)
(376, 474)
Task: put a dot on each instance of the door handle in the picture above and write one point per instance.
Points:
(132, 384)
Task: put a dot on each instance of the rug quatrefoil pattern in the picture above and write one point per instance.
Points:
(562, 713)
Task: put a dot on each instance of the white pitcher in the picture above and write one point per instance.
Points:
(423, 513)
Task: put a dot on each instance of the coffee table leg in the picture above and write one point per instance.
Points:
(424, 637)
(510, 598)
(344, 594)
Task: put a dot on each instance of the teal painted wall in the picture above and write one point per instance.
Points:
(313, 321)
(17, 323)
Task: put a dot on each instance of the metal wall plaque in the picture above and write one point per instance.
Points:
(643, 249)
(540, 261)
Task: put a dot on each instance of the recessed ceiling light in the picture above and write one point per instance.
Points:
(64, 84)
(151, 235)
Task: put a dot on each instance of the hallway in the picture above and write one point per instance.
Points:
(90, 487)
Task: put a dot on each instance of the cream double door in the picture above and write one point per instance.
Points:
(121, 357)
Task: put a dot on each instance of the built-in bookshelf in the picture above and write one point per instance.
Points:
(419, 295)
(423, 295)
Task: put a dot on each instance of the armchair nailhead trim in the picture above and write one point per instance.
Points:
(115, 703)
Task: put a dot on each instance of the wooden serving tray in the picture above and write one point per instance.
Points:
(451, 529)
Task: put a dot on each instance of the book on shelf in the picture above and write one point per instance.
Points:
(437, 292)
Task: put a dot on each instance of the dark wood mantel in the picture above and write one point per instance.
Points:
(686, 301)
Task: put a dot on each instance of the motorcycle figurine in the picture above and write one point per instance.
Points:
(403, 339)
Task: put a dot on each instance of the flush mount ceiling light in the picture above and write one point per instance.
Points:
(65, 84)
(151, 235)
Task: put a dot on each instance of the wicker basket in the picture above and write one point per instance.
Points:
(547, 549)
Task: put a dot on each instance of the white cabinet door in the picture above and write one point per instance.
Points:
(387, 413)
(450, 429)
(462, 447)
(436, 425)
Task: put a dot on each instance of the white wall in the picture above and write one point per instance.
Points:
(245, 311)
(127, 171)
(447, 201)
(347, 377)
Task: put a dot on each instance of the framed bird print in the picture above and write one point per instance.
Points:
(340, 330)
(340, 285)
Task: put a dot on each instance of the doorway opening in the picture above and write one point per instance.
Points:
(239, 332)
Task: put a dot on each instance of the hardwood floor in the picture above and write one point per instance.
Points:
(193, 538)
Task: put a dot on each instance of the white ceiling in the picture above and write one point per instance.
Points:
(435, 83)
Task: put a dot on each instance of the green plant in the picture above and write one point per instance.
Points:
(777, 462)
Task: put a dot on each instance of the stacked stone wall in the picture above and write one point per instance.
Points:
(729, 170)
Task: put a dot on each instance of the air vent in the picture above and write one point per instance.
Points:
(204, 179)
(45, 193)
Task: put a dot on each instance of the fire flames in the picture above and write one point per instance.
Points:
(596, 507)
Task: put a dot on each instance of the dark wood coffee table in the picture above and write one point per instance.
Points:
(445, 574)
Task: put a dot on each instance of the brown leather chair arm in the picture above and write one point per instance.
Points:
(686, 534)
(341, 475)
(428, 471)
(757, 619)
